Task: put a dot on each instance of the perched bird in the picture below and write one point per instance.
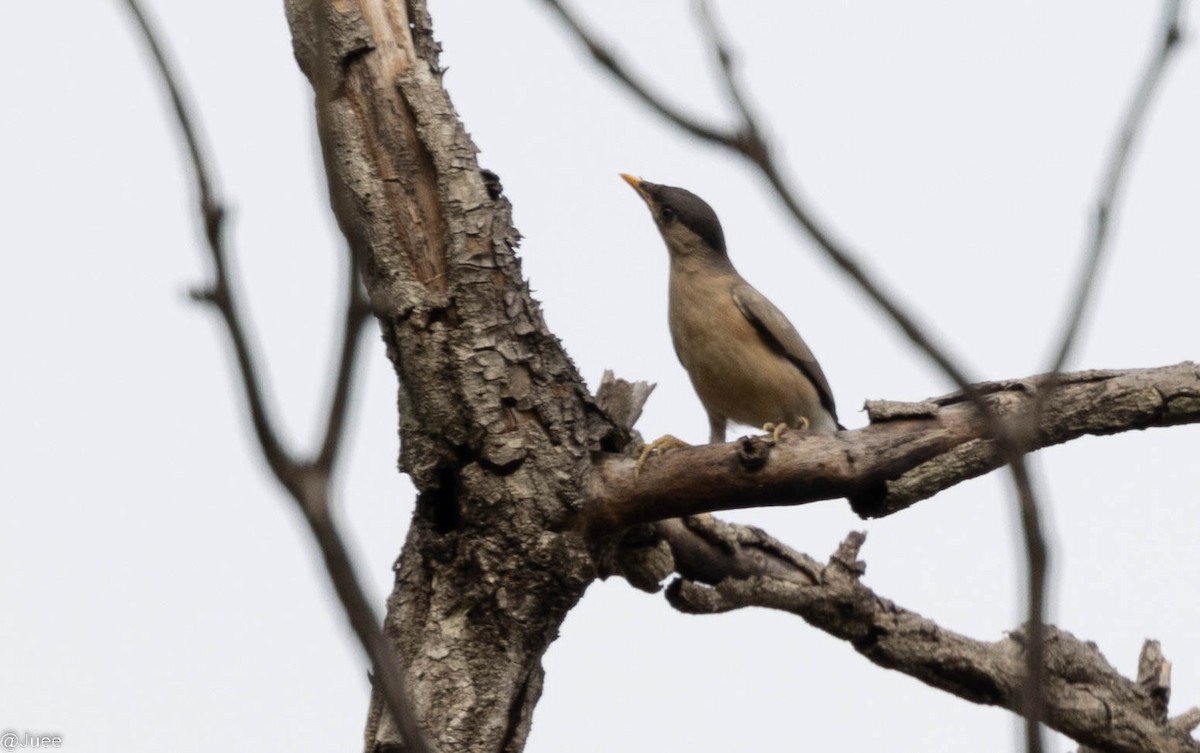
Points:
(746, 360)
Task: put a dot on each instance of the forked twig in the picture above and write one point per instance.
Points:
(748, 140)
(307, 480)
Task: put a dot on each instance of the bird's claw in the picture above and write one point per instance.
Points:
(657, 447)
(778, 430)
(775, 430)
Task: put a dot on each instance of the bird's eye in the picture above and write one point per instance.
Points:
(667, 215)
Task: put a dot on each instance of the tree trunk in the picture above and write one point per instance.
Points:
(496, 424)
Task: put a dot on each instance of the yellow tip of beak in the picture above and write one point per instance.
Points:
(633, 181)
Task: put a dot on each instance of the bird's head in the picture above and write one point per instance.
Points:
(687, 223)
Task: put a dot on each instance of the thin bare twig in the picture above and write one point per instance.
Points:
(614, 66)
(357, 314)
(308, 481)
(1037, 562)
(1169, 37)
(748, 140)
(212, 213)
(758, 151)
(1168, 41)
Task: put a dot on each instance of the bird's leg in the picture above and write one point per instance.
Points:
(657, 447)
(716, 429)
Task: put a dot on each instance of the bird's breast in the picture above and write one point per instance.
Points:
(735, 373)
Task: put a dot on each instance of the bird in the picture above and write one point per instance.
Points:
(746, 361)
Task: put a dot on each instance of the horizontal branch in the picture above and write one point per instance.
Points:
(910, 452)
(1085, 697)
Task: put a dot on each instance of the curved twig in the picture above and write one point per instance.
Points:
(748, 141)
(308, 481)
(1168, 41)
(614, 66)
(357, 314)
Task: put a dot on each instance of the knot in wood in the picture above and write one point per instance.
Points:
(753, 452)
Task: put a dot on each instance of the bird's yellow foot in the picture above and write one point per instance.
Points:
(778, 430)
(657, 447)
(775, 430)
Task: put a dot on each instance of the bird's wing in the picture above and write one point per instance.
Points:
(779, 334)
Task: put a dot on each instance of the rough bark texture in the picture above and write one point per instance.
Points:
(496, 423)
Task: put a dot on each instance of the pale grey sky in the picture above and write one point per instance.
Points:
(158, 590)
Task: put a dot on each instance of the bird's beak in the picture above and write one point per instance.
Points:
(636, 182)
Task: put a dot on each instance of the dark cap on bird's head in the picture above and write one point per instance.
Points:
(669, 204)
